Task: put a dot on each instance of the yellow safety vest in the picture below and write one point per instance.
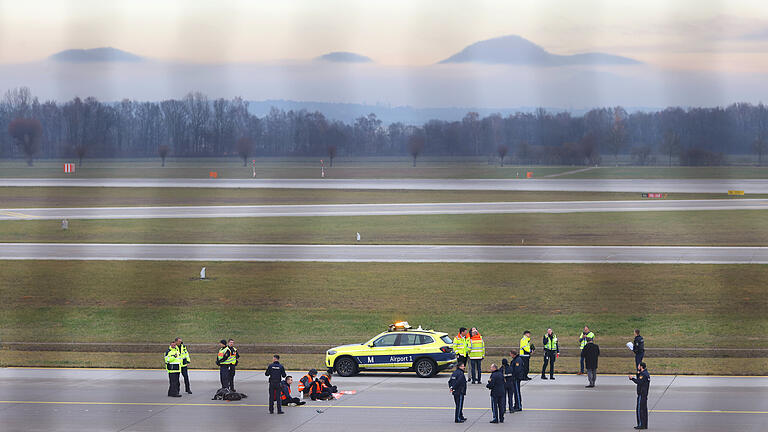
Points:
(184, 356)
(173, 360)
(230, 360)
(584, 339)
(476, 348)
(551, 343)
(525, 346)
(461, 345)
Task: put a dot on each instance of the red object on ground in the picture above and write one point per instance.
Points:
(213, 174)
(69, 168)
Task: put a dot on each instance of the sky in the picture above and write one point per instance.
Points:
(694, 52)
(686, 34)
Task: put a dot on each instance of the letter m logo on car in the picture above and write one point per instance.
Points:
(370, 360)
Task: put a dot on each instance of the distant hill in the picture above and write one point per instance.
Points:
(344, 57)
(520, 51)
(107, 54)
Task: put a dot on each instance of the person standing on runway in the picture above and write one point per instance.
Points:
(638, 347)
(526, 348)
(276, 373)
(457, 385)
(582, 342)
(496, 385)
(461, 344)
(643, 381)
(551, 351)
(173, 367)
(223, 361)
(476, 355)
(236, 356)
(517, 372)
(185, 361)
(590, 354)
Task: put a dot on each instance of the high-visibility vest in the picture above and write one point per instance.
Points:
(461, 345)
(173, 360)
(283, 396)
(230, 360)
(476, 347)
(525, 346)
(584, 339)
(302, 382)
(184, 355)
(551, 343)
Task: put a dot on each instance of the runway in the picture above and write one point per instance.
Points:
(749, 186)
(385, 253)
(378, 209)
(135, 400)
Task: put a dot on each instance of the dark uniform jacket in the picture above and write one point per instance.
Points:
(509, 373)
(458, 382)
(638, 345)
(517, 368)
(590, 353)
(275, 372)
(643, 382)
(496, 384)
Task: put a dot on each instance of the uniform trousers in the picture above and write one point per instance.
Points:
(274, 397)
(174, 385)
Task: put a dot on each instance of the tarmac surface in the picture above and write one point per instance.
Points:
(135, 400)
(385, 253)
(378, 209)
(749, 186)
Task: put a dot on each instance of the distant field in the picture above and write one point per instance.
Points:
(345, 168)
(278, 168)
(29, 197)
(678, 228)
(334, 303)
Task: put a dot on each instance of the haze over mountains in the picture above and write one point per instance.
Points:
(492, 75)
(520, 51)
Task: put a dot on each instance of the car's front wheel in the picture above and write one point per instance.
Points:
(425, 367)
(346, 366)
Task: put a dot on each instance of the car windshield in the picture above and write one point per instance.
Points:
(446, 339)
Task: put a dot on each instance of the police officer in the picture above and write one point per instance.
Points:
(638, 347)
(496, 385)
(526, 348)
(184, 362)
(223, 360)
(276, 373)
(476, 355)
(517, 373)
(583, 341)
(509, 381)
(457, 385)
(643, 381)
(173, 367)
(551, 352)
(461, 344)
(236, 356)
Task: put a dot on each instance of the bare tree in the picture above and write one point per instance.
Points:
(671, 144)
(641, 154)
(502, 151)
(415, 146)
(331, 153)
(80, 151)
(163, 152)
(27, 133)
(244, 148)
(759, 146)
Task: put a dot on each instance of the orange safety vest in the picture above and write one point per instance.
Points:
(283, 393)
(301, 382)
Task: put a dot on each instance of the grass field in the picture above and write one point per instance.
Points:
(717, 228)
(303, 362)
(230, 168)
(31, 197)
(371, 167)
(333, 303)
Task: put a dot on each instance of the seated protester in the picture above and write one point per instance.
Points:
(326, 380)
(305, 383)
(321, 389)
(285, 396)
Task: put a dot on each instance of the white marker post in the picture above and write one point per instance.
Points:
(253, 164)
(202, 274)
(322, 169)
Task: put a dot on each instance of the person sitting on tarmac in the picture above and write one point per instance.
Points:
(285, 397)
(322, 388)
(305, 383)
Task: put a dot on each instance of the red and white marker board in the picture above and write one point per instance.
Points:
(69, 168)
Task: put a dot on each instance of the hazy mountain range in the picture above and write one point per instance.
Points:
(508, 71)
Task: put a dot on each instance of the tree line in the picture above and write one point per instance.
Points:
(198, 126)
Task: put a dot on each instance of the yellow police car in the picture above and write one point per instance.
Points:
(400, 348)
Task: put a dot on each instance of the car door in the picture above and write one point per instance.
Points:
(378, 356)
